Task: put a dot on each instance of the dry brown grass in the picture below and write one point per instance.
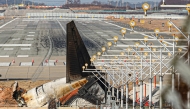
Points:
(27, 85)
(155, 23)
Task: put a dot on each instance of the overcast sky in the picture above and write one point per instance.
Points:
(60, 2)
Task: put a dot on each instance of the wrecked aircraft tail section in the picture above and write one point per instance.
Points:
(77, 54)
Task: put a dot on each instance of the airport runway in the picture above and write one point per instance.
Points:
(25, 40)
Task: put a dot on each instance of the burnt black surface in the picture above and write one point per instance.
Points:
(92, 91)
(52, 104)
(77, 54)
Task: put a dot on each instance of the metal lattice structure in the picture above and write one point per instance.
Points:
(137, 59)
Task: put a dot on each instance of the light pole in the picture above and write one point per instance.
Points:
(145, 7)
(134, 86)
(127, 95)
(161, 80)
(99, 54)
(145, 39)
(141, 83)
(103, 50)
(173, 69)
(109, 44)
(123, 32)
(109, 92)
(137, 45)
(150, 82)
(163, 3)
(188, 9)
(132, 24)
(156, 31)
(127, 85)
(113, 94)
(115, 39)
(169, 25)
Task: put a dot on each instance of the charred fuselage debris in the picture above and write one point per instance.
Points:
(91, 91)
(17, 93)
(43, 94)
(17, 96)
(52, 104)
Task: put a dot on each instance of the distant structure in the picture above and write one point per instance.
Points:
(122, 3)
(109, 2)
(95, 2)
(72, 1)
(175, 2)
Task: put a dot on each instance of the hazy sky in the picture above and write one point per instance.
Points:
(60, 2)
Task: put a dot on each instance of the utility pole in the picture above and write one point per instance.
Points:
(127, 6)
(6, 3)
(135, 6)
(108, 2)
(116, 3)
(155, 5)
(122, 1)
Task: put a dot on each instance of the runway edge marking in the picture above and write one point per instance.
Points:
(7, 23)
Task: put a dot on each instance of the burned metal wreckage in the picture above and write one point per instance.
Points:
(77, 84)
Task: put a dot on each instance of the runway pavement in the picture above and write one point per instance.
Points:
(27, 41)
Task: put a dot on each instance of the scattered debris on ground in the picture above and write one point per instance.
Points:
(6, 91)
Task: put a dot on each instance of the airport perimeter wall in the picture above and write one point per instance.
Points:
(76, 15)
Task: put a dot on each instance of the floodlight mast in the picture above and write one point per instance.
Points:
(163, 3)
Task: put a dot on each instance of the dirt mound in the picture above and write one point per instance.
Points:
(6, 98)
